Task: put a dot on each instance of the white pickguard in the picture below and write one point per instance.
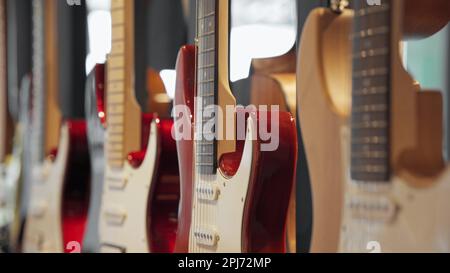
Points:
(396, 217)
(224, 217)
(43, 230)
(123, 222)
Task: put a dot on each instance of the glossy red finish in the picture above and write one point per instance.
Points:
(267, 202)
(184, 95)
(270, 184)
(76, 189)
(100, 92)
(165, 193)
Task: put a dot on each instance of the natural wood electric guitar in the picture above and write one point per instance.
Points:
(324, 98)
(141, 186)
(59, 183)
(234, 195)
(398, 185)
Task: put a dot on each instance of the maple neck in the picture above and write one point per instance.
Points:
(38, 80)
(3, 89)
(46, 118)
(123, 112)
(206, 83)
(370, 147)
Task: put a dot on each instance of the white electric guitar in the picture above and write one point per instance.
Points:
(59, 200)
(234, 194)
(140, 190)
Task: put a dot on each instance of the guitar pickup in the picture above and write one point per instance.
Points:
(373, 208)
(117, 183)
(115, 216)
(207, 192)
(39, 210)
(206, 237)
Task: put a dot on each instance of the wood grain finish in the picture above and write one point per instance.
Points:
(324, 100)
(53, 116)
(424, 18)
(122, 136)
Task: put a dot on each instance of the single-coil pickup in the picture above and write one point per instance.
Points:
(207, 192)
(117, 182)
(372, 208)
(206, 237)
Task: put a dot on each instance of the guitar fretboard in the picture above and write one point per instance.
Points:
(206, 85)
(123, 120)
(38, 81)
(371, 92)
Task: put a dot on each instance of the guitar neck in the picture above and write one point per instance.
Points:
(38, 103)
(213, 86)
(371, 92)
(123, 111)
(3, 98)
(206, 82)
(46, 112)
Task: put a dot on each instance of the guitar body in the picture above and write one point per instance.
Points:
(254, 189)
(60, 194)
(324, 97)
(402, 218)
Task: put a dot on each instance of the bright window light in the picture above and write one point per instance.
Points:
(169, 78)
(260, 29)
(99, 27)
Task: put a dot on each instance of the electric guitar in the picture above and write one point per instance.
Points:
(324, 100)
(397, 187)
(234, 193)
(5, 211)
(59, 183)
(274, 83)
(141, 185)
(95, 115)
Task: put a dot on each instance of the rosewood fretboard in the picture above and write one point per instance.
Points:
(206, 143)
(371, 92)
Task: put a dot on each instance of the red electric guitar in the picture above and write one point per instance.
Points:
(59, 200)
(141, 186)
(234, 193)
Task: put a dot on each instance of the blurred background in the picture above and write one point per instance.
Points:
(259, 29)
